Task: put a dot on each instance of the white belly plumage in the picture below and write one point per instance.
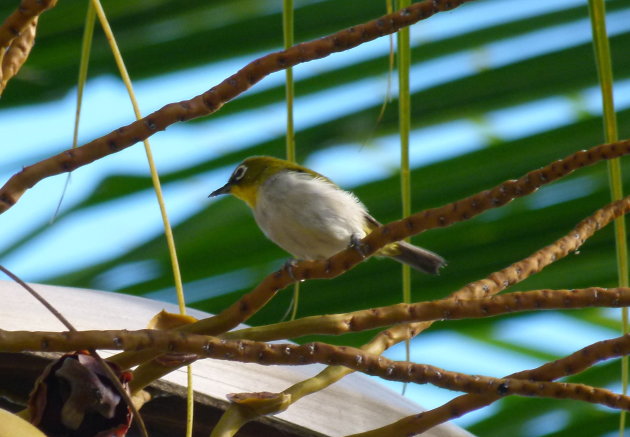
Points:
(308, 217)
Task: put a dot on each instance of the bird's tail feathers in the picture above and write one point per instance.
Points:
(418, 258)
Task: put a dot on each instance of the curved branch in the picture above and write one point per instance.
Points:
(17, 36)
(572, 364)
(441, 216)
(528, 383)
(254, 300)
(17, 54)
(443, 309)
(20, 19)
(212, 100)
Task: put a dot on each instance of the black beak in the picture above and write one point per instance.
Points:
(225, 189)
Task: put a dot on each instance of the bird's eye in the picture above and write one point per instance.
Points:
(239, 172)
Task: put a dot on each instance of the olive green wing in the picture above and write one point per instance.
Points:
(416, 257)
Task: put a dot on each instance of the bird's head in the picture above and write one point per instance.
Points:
(250, 174)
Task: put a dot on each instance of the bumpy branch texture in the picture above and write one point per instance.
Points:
(496, 282)
(17, 35)
(444, 309)
(356, 359)
(17, 54)
(448, 308)
(574, 363)
(212, 100)
(216, 97)
(19, 20)
(439, 217)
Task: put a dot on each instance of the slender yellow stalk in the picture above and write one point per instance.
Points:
(86, 45)
(404, 115)
(154, 175)
(390, 68)
(597, 10)
(387, 98)
(233, 419)
(168, 232)
(287, 30)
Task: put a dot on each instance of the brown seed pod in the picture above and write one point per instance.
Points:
(74, 397)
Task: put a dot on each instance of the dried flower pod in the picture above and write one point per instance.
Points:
(74, 397)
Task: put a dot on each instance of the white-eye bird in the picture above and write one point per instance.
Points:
(309, 216)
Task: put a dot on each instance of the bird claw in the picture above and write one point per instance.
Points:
(289, 266)
(362, 248)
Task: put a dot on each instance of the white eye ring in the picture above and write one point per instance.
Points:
(239, 172)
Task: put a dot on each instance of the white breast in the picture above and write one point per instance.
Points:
(308, 217)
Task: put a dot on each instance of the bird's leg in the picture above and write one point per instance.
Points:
(289, 266)
(355, 243)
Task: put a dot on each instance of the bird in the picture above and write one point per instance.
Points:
(309, 216)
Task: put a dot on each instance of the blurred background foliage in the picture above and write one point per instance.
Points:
(517, 79)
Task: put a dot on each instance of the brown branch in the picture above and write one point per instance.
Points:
(517, 272)
(401, 332)
(16, 27)
(496, 282)
(572, 364)
(443, 309)
(212, 100)
(376, 365)
(17, 54)
(19, 20)
(412, 225)
(446, 308)
(540, 259)
(441, 220)
(353, 358)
